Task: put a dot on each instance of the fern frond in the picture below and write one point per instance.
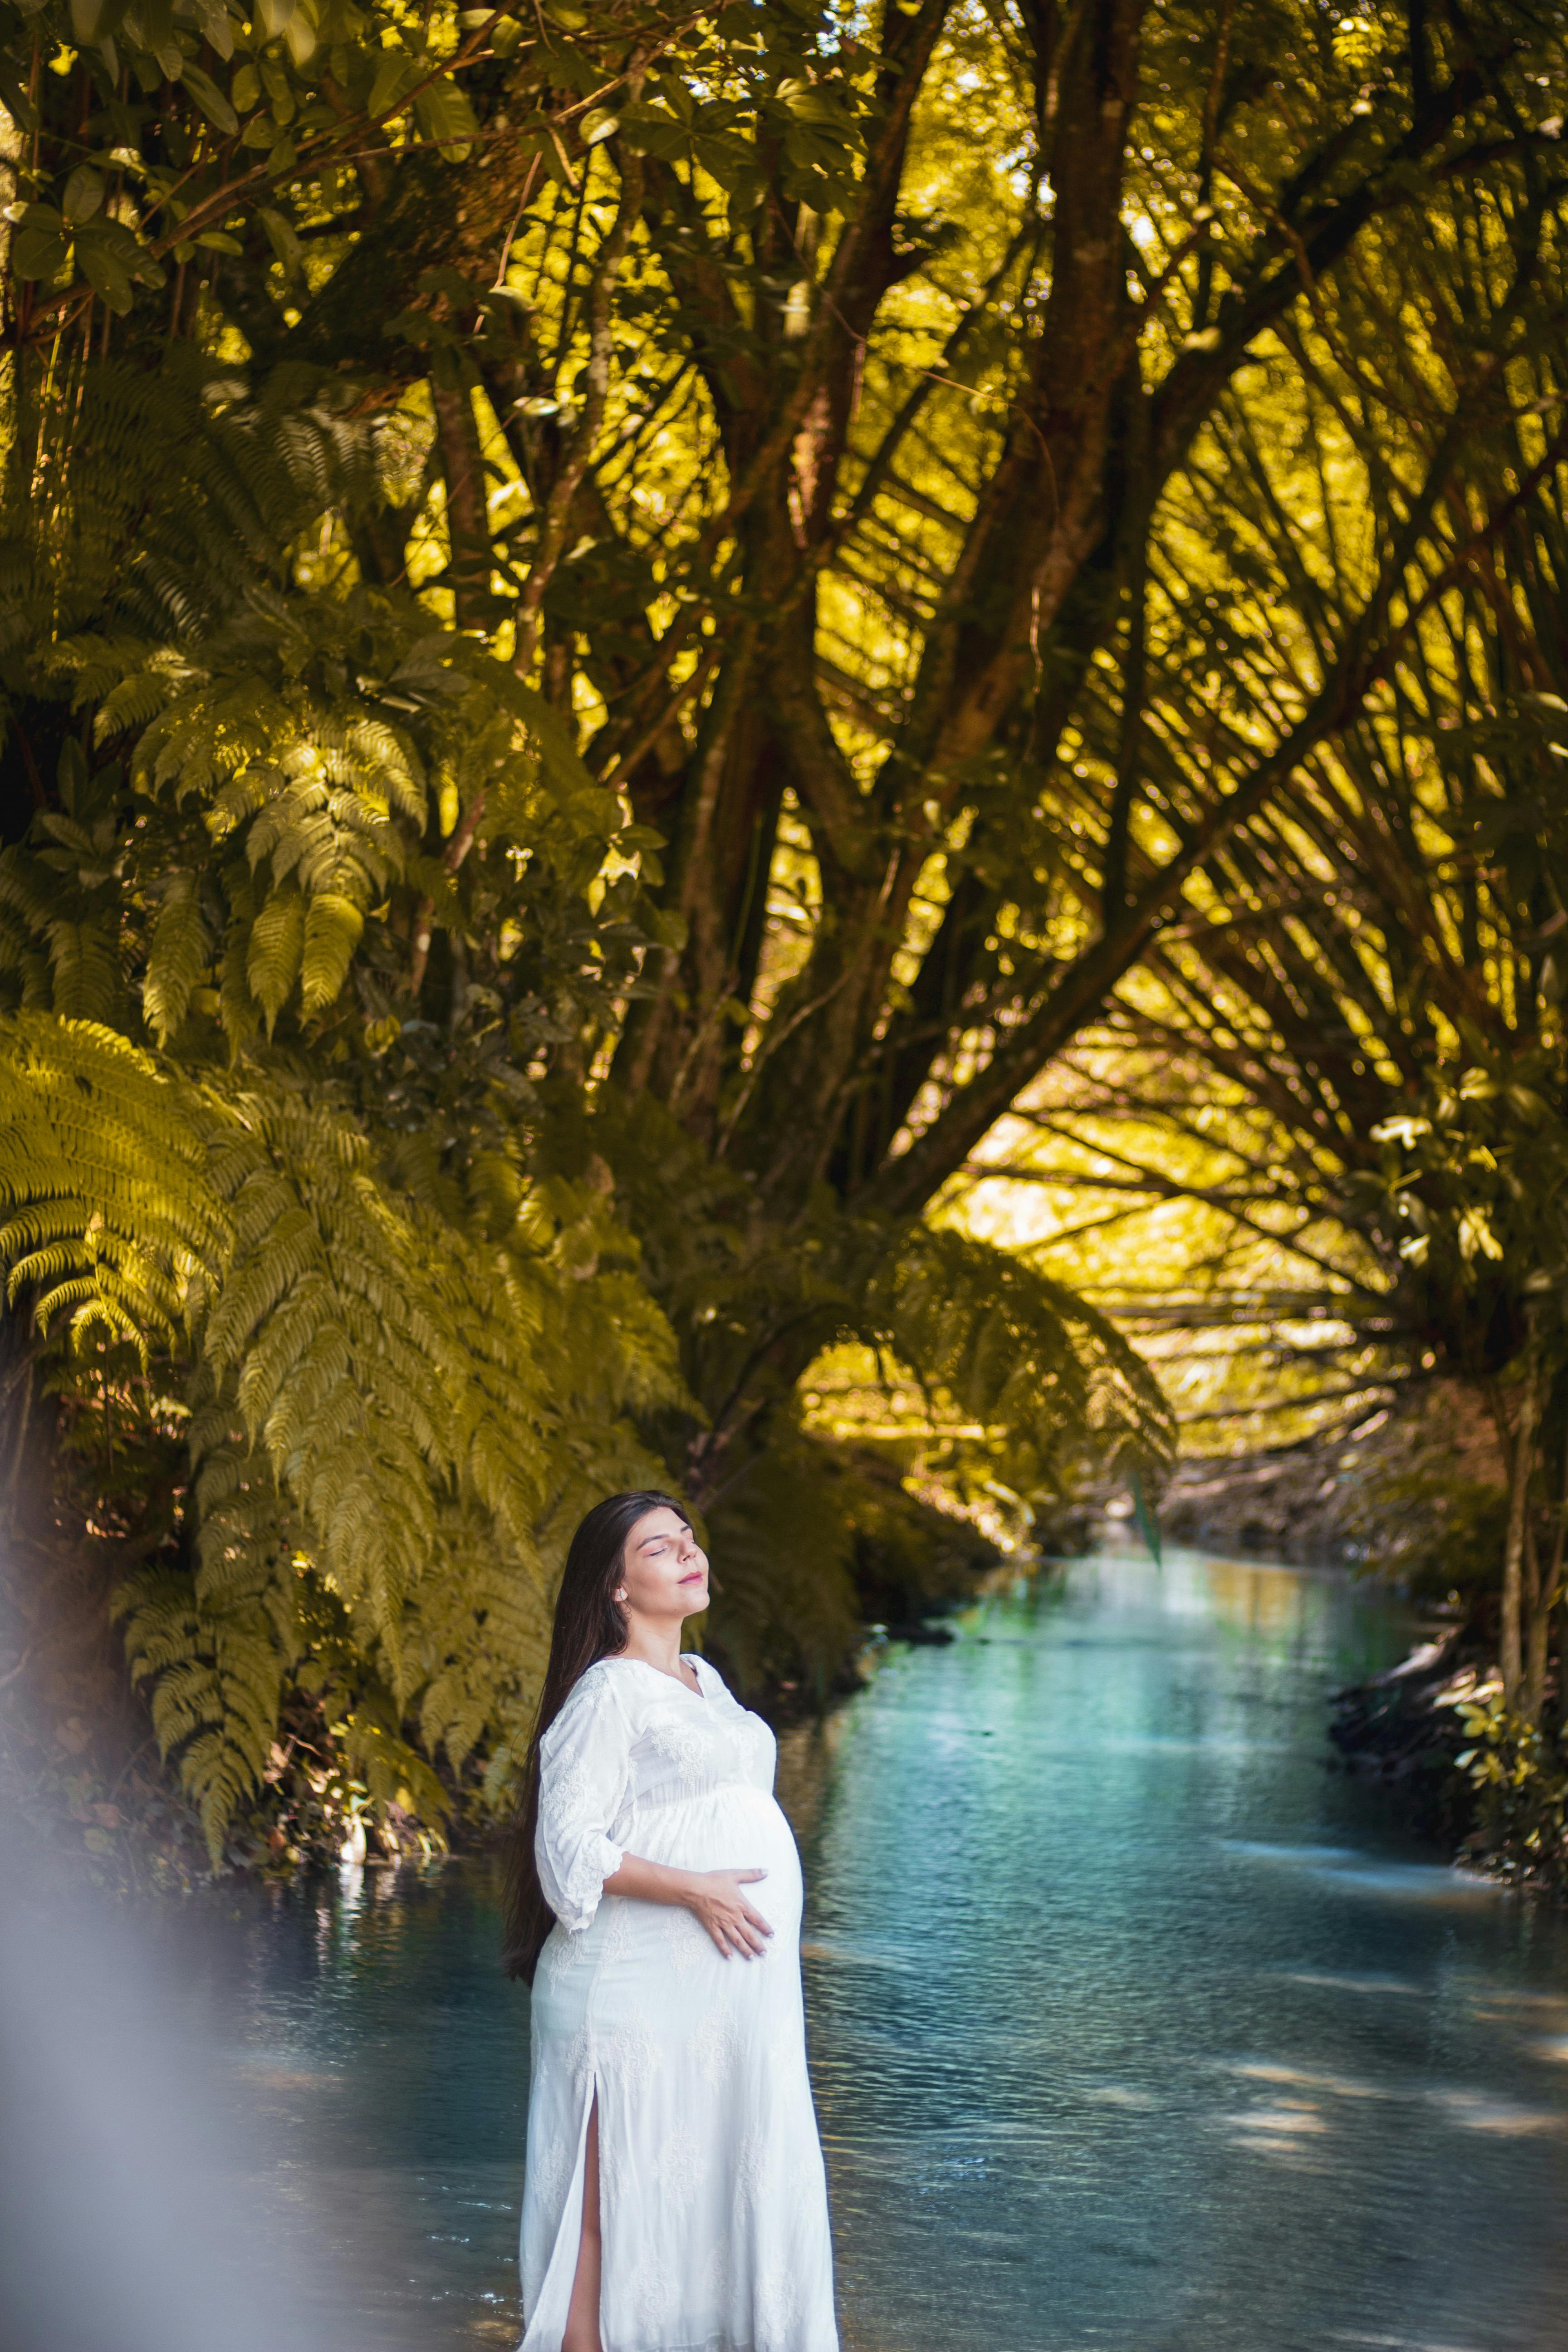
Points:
(276, 950)
(177, 955)
(85, 957)
(333, 925)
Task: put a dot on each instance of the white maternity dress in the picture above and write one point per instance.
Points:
(713, 2205)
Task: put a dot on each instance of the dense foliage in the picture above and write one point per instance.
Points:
(621, 626)
(1349, 1072)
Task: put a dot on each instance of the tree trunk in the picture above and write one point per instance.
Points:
(1540, 1596)
(1511, 1659)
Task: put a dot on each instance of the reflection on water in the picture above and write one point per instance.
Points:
(1133, 2030)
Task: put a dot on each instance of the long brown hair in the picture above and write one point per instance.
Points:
(589, 1624)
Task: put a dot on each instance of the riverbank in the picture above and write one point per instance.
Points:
(82, 1778)
(1411, 1500)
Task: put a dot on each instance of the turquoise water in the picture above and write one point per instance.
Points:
(1133, 2029)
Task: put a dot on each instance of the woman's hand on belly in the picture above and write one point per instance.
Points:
(717, 1901)
(712, 1896)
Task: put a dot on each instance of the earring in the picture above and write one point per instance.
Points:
(622, 1593)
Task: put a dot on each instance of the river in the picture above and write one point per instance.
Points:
(1134, 2029)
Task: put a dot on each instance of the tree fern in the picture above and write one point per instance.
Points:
(407, 1412)
(100, 1167)
(1022, 1355)
(215, 1651)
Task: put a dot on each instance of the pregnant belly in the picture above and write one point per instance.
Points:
(729, 1829)
(646, 1969)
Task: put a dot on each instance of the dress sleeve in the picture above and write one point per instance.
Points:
(585, 1763)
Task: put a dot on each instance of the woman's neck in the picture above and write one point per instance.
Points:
(657, 1641)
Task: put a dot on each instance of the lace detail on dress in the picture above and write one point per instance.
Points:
(686, 1748)
(562, 1953)
(631, 2053)
(716, 2284)
(682, 2163)
(618, 1934)
(552, 2173)
(617, 2180)
(656, 2293)
(716, 2045)
(686, 1941)
(777, 2306)
(751, 2165)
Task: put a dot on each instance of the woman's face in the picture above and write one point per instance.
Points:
(664, 1569)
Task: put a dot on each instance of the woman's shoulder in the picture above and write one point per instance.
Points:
(596, 1692)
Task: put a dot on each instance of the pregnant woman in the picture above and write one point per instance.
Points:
(675, 2200)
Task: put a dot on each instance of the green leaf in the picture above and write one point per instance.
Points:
(600, 122)
(39, 252)
(84, 193)
(14, 98)
(285, 243)
(107, 275)
(113, 241)
(218, 24)
(444, 115)
(212, 101)
(96, 21)
(155, 19)
(394, 78)
(1147, 1524)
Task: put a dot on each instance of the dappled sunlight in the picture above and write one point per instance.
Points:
(1475, 2111)
(1379, 1985)
(1287, 2134)
(1342, 2086)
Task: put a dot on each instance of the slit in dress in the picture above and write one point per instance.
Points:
(587, 2289)
(547, 2321)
